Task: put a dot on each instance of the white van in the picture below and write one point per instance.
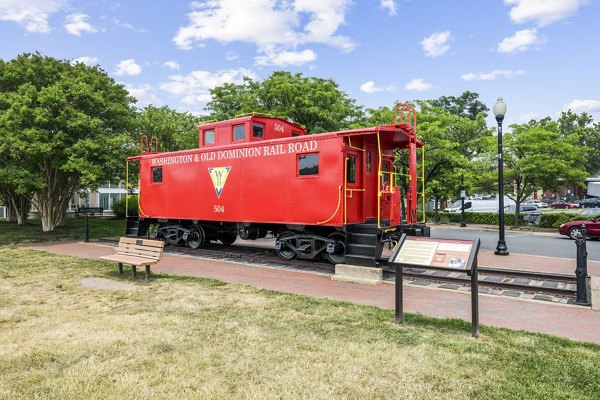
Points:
(490, 205)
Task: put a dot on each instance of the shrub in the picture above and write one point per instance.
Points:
(118, 207)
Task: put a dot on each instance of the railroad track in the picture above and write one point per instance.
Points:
(497, 279)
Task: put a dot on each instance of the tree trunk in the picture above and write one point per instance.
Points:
(517, 213)
(11, 213)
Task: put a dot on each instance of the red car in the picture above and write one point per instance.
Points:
(564, 204)
(572, 229)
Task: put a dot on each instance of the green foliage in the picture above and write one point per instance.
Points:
(174, 130)
(554, 220)
(467, 105)
(316, 103)
(119, 207)
(587, 136)
(547, 220)
(536, 156)
(63, 127)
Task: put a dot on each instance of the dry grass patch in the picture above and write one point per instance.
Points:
(189, 338)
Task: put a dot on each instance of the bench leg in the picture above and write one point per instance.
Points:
(147, 272)
(133, 271)
(120, 268)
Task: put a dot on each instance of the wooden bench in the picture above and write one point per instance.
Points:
(137, 253)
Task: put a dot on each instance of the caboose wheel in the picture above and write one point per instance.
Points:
(196, 237)
(283, 250)
(227, 238)
(339, 256)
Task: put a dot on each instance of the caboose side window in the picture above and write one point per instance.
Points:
(295, 133)
(369, 162)
(209, 136)
(156, 174)
(258, 130)
(351, 169)
(308, 164)
(239, 132)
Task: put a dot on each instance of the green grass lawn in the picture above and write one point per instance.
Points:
(73, 229)
(190, 338)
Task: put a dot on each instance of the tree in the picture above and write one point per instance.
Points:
(65, 126)
(466, 105)
(174, 130)
(587, 136)
(316, 103)
(536, 156)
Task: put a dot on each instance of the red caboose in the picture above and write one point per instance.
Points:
(327, 194)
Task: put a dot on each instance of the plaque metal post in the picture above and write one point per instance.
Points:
(399, 299)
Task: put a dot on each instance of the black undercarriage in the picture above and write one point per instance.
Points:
(357, 244)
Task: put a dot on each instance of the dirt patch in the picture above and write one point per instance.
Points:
(105, 284)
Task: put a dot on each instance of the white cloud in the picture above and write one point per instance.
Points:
(126, 25)
(436, 44)
(579, 106)
(520, 41)
(194, 88)
(90, 61)
(272, 26)
(172, 64)
(285, 58)
(76, 23)
(230, 56)
(370, 87)
(490, 76)
(528, 116)
(32, 14)
(418, 84)
(144, 94)
(128, 67)
(389, 5)
(542, 12)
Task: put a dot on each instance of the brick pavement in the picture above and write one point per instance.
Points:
(573, 322)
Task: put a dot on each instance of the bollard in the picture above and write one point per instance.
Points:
(581, 270)
(86, 235)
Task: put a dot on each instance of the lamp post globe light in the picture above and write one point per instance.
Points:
(499, 112)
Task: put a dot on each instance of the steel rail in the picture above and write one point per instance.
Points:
(262, 255)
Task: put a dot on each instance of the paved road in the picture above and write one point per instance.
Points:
(522, 242)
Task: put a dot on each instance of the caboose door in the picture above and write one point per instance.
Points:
(354, 190)
(371, 163)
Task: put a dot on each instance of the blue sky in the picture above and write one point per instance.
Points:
(542, 56)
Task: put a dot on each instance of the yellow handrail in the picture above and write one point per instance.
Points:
(336, 208)
(352, 147)
(345, 169)
(423, 182)
(379, 175)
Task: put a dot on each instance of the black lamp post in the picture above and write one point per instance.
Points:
(499, 111)
(463, 223)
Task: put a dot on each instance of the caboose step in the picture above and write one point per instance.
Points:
(365, 261)
(361, 238)
(361, 249)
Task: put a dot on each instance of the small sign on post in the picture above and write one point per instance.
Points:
(439, 254)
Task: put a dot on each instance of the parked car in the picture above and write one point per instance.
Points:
(573, 228)
(591, 202)
(478, 205)
(564, 204)
(537, 203)
(590, 211)
(523, 208)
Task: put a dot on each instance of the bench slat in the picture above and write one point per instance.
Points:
(142, 242)
(141, 251)
(137, 261)
(128, 254)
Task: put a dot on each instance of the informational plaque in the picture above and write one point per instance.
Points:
(451, 254)
(447, 254)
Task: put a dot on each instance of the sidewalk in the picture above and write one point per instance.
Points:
(572, 322)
